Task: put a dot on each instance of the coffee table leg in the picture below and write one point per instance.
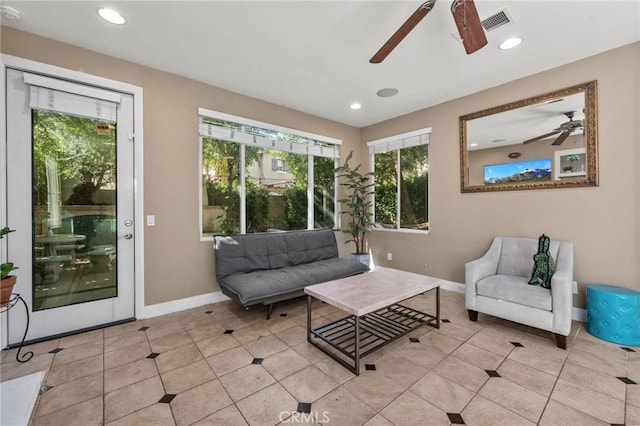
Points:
(308, 318)
(437, 307)
(357, 353)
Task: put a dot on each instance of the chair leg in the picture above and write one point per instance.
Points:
(561, 341)
(473, 315)
(269, 310)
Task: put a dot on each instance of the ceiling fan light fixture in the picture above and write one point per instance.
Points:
(111, 16)
(355, 105)
(510, 43)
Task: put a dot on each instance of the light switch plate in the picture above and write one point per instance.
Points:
(151, 220)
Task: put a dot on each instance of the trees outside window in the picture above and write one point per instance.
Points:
(275, 179)
(401, 182)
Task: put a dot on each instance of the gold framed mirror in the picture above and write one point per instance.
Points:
(546, 141)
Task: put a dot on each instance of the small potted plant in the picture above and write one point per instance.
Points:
(358, 204)
(6, 281)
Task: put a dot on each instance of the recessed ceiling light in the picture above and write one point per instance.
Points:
(387, 92)
(510, 43)
(111, 15)
(355, 105)
(474, 144)
(10, 13)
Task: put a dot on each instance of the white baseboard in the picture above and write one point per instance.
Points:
(158, 309)
(577, 314)
(452, 286)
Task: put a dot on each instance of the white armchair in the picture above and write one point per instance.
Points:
(497, 284)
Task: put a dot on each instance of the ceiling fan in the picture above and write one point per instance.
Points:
(464, 13)
(565, 130)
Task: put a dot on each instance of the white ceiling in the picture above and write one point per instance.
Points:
(313, 56)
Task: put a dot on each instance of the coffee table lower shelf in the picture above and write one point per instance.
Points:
(356, 337)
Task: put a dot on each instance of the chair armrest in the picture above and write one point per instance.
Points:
(562, 290)
(478, 269)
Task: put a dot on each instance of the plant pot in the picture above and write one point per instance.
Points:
(362, 257)
(6, 287)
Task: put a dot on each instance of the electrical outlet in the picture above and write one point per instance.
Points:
(389, 256)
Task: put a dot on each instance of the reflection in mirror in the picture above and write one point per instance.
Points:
(542, 142)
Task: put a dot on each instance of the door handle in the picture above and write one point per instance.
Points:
(127, 236)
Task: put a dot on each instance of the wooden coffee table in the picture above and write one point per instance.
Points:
(376, 316)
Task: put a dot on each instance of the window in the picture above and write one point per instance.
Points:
(257, 177)
(401, 192)
(278, 165)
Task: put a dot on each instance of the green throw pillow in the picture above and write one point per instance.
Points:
(543, 264)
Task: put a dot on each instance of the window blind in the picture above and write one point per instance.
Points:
(406, 140)
(54, 95)
(303, 146)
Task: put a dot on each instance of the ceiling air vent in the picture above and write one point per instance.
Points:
(497, 20)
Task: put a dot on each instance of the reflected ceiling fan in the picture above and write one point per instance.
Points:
(565, 130)
(464, 13)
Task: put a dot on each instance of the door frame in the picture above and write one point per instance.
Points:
(8, 61)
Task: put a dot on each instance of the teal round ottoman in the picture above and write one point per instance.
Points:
(613, 314)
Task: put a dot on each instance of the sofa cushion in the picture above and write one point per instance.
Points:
(252, 252)
(516, 255)
(515, 289)
(256, 253)
(233, 253)
(251, 288)
(296, 247)
(278, 253)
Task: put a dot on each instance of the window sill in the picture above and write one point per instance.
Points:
(402, 231)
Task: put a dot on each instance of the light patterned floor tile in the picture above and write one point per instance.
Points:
(199, 402)
(516, 398)
(309, 384)
(589, 401)
(187, 377)
(87, 413)
(340, 407)
(409, 410)
(245, 381)
(129, 399)
(156, 415)
(229, 416)
(285, 363)
(271, 405)
(107, 371)
(481, 411)
(442, 393)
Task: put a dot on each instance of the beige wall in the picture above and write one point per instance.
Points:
(602, 222)
(177, 264)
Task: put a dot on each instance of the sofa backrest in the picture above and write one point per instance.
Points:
(516, 255)
(272, 250)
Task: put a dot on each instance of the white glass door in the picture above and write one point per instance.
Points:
(70, 199)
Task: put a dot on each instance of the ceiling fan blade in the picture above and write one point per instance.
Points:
(561, 138)
(469, 26)
(402, 32)
(546, 135)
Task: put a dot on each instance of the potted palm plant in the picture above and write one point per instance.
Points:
(358, 204)
(6, 281)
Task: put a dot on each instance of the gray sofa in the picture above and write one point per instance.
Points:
(271, 267)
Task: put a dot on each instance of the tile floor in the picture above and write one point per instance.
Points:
(222, 365)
